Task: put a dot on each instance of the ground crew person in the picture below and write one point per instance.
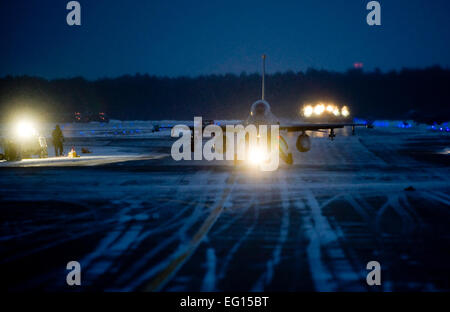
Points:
(43, 146)
(12, 151)
(58, 140)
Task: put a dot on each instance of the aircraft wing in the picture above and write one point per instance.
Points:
(316, 127)
(297, 127)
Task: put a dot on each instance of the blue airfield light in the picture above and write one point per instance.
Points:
(404, 126)
(381, 123)
(361, 121)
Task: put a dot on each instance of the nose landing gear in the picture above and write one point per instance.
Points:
(332, 135)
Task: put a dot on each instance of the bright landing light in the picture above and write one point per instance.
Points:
(319, 109)
(345, 111)
(256, 156)
(308, 110)
(25, 129)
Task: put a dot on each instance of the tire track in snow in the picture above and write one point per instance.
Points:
(134, 277)
(267, 276)
(209, 281)
(170, 270)
(393, 202)
(436, 197)
(314, 227)
(237, 245)
(133, 280)
(323, 238)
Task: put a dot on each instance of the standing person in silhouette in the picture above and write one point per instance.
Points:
(58, 139)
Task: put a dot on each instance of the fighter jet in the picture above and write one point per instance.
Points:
(261, 114)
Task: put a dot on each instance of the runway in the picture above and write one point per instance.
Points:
(148, 223)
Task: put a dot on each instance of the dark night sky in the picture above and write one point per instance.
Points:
(191, 37)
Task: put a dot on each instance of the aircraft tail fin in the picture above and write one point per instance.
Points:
(263, 76)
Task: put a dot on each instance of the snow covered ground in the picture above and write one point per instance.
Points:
(146, 222)
(100, 139)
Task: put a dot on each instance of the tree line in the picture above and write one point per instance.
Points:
(390, 95)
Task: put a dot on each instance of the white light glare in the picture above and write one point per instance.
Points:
(308, 110)
(319, 109)
(25, 129)
(345, 111)
(256, 156)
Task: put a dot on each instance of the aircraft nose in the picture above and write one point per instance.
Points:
(260, 109)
